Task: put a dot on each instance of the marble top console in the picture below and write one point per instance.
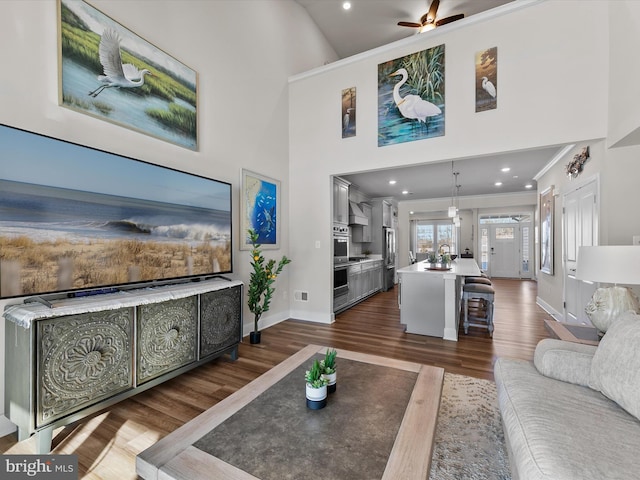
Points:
(23, 314)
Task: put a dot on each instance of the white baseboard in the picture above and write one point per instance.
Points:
(6, 426)
(558, 316)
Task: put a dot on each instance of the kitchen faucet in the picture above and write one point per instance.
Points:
(442, 248)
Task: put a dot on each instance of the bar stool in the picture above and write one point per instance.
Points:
(482, 280)
(482, 292)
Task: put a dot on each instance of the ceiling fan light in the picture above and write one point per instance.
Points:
(426, 27)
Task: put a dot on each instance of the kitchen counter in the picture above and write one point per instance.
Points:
(466, 267)
(430, 299)
(371, 258)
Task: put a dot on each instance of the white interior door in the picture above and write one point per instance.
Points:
(580, 228)
(504, 250)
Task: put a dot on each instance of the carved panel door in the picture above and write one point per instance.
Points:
(82, 359)
(167, 337)
(220, 320)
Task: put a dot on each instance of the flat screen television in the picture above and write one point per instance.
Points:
(78, 220)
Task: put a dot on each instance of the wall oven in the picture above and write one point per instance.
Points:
(340, 244)
(340, 280)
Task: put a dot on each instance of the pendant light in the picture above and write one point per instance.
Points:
(452, 209)
(456, 218)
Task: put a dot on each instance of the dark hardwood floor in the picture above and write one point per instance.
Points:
(108, 443)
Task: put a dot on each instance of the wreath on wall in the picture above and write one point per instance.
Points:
(574, 167)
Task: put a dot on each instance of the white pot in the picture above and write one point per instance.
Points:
(316, 397)
(331, 385)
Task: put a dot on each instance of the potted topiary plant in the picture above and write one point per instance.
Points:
(328, 366)
(261, 283)
(316, 387)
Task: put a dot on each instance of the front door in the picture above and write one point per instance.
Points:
(504, 250)
(580, 228)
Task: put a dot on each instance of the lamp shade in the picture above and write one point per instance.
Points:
(618, 264)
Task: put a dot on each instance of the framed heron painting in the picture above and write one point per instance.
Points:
(259, 210)
(411, 97)
(111, 73)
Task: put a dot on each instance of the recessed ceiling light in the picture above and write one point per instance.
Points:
(346, 5)
(497, 184)
(515, 176)
(411, 212)
(405, 192)
(528, 185)
(392, 182)
(506, 169)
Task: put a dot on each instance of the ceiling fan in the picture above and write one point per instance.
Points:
(428, 20)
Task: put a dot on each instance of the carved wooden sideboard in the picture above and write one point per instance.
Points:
(84, 354)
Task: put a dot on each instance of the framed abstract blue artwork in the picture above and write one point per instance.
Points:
(259, 210)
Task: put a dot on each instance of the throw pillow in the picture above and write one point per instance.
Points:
(615, 369)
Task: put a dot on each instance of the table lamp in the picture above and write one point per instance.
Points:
(616, 264)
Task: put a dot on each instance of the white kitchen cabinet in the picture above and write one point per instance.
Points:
(340, 201)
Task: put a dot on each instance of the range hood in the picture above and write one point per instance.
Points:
(356, 216)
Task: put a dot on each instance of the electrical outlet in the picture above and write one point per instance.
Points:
(636, 240)
(301, 296)
(317, 243)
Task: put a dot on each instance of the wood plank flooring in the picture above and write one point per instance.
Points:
(108, 443)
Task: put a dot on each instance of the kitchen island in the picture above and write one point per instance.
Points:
(430, 299)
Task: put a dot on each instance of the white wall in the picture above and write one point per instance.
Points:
(551, 93)
(242, 105)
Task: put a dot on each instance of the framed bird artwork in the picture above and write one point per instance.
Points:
(411, 97)
(487, 79)
(109, 72)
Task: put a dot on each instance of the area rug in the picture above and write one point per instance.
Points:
(469, 441)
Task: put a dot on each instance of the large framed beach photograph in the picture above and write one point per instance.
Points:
(110, 73)
(259, 210)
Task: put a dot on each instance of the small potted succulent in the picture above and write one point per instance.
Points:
(316, 387)
(445, 260)
(328, 366)
(432, 258)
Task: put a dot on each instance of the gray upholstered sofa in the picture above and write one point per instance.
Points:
(573, 412)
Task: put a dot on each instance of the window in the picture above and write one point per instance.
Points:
(431, 235)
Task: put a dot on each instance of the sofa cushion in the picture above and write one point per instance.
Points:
(615, 369)
(566, 361)
(557, 430)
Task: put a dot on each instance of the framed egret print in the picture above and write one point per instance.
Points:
(487, 79)
(259, 210)
(411, 97)
(348, 112)
(546, 231)
(110, 73)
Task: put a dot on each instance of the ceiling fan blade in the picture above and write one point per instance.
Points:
(431, 14)
(409, 24)
(450, 19)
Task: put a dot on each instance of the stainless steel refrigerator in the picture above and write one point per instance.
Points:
(388, 257)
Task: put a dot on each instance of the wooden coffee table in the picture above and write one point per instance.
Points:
(389, 429)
